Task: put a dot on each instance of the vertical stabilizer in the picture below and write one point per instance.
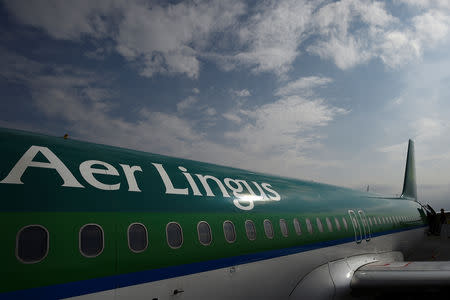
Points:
(409, 184)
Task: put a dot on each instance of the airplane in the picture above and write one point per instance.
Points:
(88, 221)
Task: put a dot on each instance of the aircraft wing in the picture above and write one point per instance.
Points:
(398, 275)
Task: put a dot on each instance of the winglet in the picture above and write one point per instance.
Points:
(409, 184)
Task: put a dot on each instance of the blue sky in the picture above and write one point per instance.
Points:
(321, 90)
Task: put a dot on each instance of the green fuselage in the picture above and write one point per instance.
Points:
(138, 187)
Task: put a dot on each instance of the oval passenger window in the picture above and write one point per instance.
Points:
(338, 225)
(268, 229)
(137, 237)
(250, 230)
(344, 221)
(229, 232)
(32, 244)
(298, 228)
(319, 224)
(174, 235)
(329, 225)
(309, 226)
(204, 233)
(284, 228)
(91, 240)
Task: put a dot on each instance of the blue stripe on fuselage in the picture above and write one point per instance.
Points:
(83, 287)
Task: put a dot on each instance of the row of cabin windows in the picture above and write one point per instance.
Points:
(33, 240)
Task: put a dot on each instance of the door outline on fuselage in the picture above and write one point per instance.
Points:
(356, 226)
(366, 225)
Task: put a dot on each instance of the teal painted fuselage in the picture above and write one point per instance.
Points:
(62, 185)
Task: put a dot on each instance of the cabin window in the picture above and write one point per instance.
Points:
(319, 224)
(91, 240)
(375, 221)
(298, 228)
(32, 244)
(329, 225)
(174, 235)
(137, 237)
(250, 230)
(204, 233)
(379, 220)
(284, 228)
(370, 221)
(338, 225)
(229, 231)
(384, 220)
(355, 223)
(268, 228)
(345, 223)
(309, 226)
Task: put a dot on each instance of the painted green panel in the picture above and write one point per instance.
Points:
(63, 210)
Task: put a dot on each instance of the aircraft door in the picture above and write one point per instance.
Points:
(356, 226)
(366, 225)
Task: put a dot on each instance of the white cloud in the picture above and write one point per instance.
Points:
(338, 41)
(273, 34)
(302, 85)
(432, 26)
(428, 30)
(88, 115)
(442, 4)
(286, 124)
(66, 19)
(185, 104)
(428, 128)
(195, 90)
(241, 93)
(398, 48)
(170, 38)
(17, 68)
(167, 38)
(210, 111)
(162, 38)
(378, 35)
(232, 117)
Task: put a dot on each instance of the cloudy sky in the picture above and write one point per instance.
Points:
(328, 91)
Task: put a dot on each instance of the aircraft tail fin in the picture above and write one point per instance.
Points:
(409, 184)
